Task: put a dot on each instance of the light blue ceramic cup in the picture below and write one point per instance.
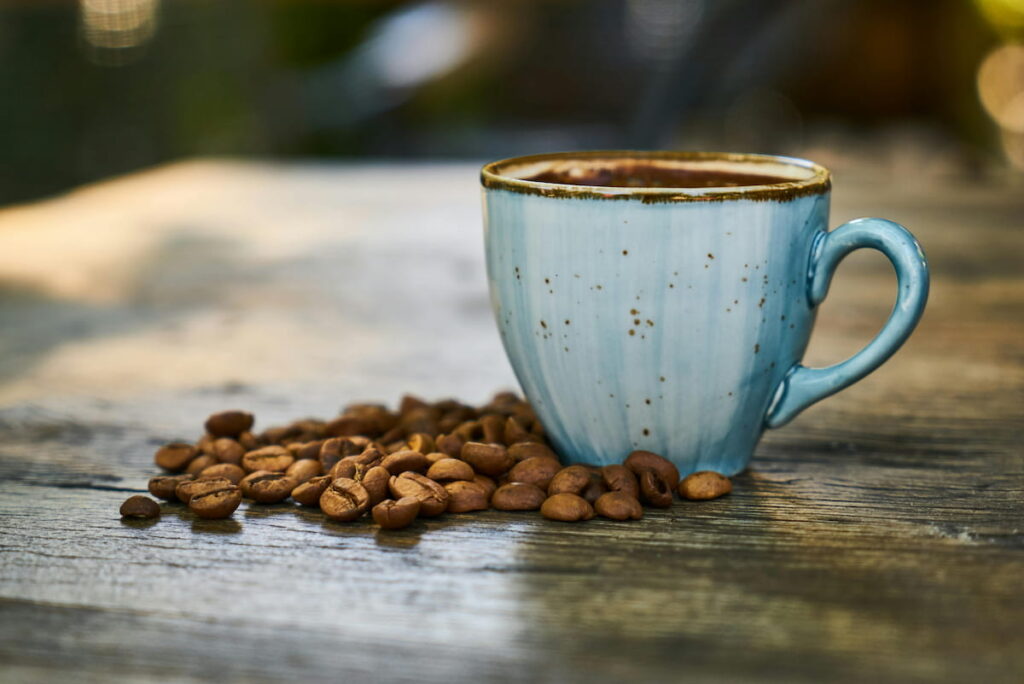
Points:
(674, 319)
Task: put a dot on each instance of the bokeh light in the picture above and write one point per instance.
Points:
(114, 29)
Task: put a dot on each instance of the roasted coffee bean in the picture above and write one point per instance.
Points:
(654, 491)
(395, 446)
(227, 450)
(309, 450)
(449, 470)
(344, 500)
(274, 458)
(334, 449)
(618, 505)
(248, 442)
(464, 497)
(620, 479)
(450, 445)
(394, 515)
(419, 420)
(175, 456)
(375, 481)
(309, 492)
(272, 435)
(140, 507)
(163, 486)
(432, 497)
(593, 491)
(346, 467)
(265, 486)
(409, 403)
(493, 426)
(421, 442)
(348, 425)
(229, 471)
(435, 456)
(487, 459)
(521, 451)
(186, 490)
(470, 431)
(487, 483)
(570, 480)
(638, 461)
(205, 445)
(566, 507)
(303, 470)
(217, 504)
(518, 496)
(229, 423)
(704, 485)
(405, 460)
(516, 433)
(200, 463)
(538, 470)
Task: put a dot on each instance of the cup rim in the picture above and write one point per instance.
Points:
(495, 176)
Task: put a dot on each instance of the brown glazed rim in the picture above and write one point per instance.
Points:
(492, 177)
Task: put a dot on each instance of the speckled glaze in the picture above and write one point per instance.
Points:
(675, 326)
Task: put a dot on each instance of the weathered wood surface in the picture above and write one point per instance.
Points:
(880, 537)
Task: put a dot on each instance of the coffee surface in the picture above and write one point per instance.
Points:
(654, 176)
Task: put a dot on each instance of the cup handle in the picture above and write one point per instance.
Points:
(804, 386)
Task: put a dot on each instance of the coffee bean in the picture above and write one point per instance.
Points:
(516, 433)
(493, 426)
(229, 423)
(704, 485)
(310, 450)
(432, 497)
(451, 445)
(435, 456)
(163, 486)
(274, 458)
(228, 471)
(303, 470)
(375, 481)
(639, 461)
(409, 403)
(618, 505)
(394, 515)
(464, 497)
(216, 504)
(524, 450)
(205, 445)
(200, 463)
(418, 420)
(346, 467)
(175, 456)
(654, 491)
(309, 492)
(267, 487)
(186, 490)
(486, 482)
(620, 479)
(470, 431)
(566, 507)
(248, 442)
(421, 442)
(344, 500)
(487, 459)
(227, 450)
(594, 489)
(518, 496)
(538, 470)
(140, 507)
(334, 449)
(449, 470)
(402, 461)
(570, 480)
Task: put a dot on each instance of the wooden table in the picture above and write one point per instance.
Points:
(879, 537)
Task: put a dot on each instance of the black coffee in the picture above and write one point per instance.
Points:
(654, 176)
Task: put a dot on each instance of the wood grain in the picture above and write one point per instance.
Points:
(880, 537)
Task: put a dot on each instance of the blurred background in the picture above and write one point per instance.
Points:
(95, 88)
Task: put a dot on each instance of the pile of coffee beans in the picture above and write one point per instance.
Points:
(423, 460)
